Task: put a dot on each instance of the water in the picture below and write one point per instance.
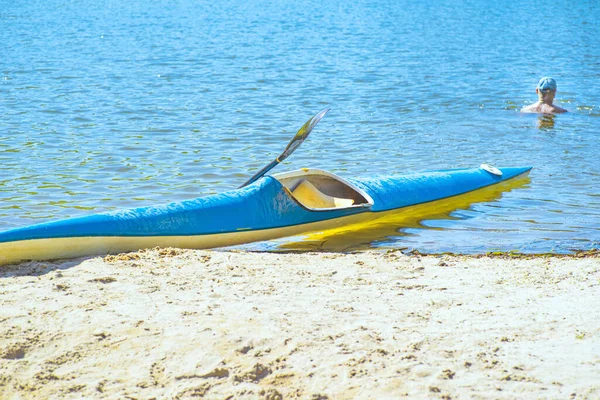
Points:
(109, 104)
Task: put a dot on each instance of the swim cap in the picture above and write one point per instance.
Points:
(546, 83)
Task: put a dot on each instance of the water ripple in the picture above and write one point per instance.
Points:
(112, 105)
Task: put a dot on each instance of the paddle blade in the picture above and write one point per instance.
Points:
(302, 134)
(292, 145)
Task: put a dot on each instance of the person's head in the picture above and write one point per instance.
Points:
(546, 89)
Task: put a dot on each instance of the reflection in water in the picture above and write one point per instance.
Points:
(365, 235)
(546, 121)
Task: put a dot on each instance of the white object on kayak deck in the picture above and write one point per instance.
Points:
(491, 169)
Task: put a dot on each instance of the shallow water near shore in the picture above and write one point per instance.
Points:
(107, 106)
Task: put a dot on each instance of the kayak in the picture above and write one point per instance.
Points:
(273, 206)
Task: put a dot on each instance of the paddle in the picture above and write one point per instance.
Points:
(292, 145)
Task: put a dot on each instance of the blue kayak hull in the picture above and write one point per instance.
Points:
(266, 209)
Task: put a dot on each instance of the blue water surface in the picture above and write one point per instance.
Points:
(110, 104)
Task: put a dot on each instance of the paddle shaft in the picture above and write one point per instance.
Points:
(260, 173)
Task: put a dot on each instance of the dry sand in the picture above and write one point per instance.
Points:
(170, 324)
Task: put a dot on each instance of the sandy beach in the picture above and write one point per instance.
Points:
(176, 324)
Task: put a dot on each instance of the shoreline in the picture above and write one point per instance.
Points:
(171, 323)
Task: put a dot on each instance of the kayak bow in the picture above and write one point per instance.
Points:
(272, 207)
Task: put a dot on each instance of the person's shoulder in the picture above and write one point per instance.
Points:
(532, 108)
(559, 110)
(543, 109)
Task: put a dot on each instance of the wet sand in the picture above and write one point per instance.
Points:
(175, 324)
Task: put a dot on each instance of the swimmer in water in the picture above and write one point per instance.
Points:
(546, 90)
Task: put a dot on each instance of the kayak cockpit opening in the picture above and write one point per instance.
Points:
(317, 189)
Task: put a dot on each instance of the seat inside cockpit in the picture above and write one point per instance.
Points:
(318, 189)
